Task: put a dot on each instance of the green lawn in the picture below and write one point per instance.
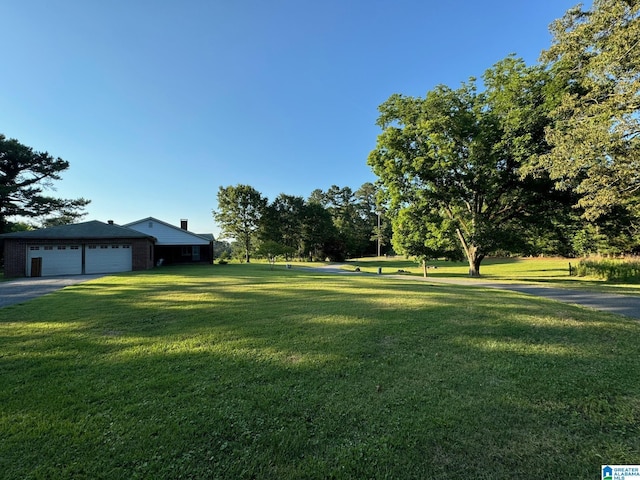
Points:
(240, 371)
(529, 270)
(493, 268)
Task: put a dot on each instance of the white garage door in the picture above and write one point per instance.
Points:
(107, 258)
(56, 259)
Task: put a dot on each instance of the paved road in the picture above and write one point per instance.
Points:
(23, 289)
(628, 305)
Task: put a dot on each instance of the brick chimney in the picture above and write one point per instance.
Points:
(110, 222)
(183, 224)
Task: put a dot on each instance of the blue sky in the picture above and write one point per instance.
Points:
(156, 104)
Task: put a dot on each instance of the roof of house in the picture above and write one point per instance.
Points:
(92, 230)
(167, 234)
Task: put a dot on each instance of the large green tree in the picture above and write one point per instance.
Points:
(240, 209)
(340, 202)
(24, 176)
(372, 225)
(283, 222)
(456, 155)
(352, 214)
(320, 239)
(423, 234)
(595, 60)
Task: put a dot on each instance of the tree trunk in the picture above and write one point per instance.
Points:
(474, 258)
(247, 249)
(424, 267)
(473, 254)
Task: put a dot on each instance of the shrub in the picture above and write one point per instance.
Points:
(608, 269)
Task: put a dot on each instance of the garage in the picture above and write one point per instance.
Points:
(107, 258)
(76, 249)
(48, 260)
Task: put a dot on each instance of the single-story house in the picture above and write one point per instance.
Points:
(76, 249)
(175, 244)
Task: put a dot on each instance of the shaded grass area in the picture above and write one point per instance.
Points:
(244, 372)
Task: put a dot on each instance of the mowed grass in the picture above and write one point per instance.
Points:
(544, 270)
(516, 268)
(240, 371)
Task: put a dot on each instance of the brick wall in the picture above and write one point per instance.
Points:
(142, 252)
(15, 258)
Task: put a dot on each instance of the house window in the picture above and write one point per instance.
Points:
(104, 246)
(34, 248)
(74, 247)
(126, 246)
(48, 248)
(115, 246)
(92, 247)
(61, 247)
(186, 251)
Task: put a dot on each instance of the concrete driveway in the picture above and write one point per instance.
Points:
(23, 289)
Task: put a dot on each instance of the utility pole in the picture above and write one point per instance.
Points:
(379, 233)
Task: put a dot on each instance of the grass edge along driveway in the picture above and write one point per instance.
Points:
(244, 372)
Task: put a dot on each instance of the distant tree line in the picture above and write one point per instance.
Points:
(336, 224)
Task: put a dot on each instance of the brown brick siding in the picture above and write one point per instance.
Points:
(142, 254)
(15, 258)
